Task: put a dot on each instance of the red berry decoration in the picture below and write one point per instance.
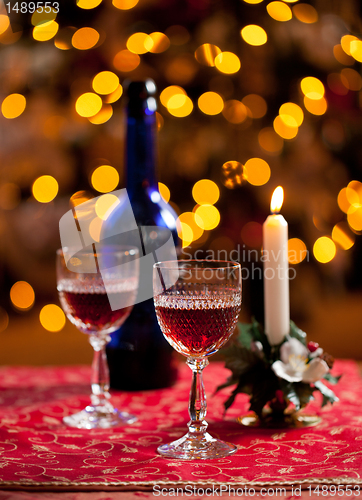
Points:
(312, 346)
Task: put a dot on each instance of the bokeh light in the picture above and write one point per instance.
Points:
(88, 104)
(285, 131)
(227, 62)
(256, 105)
(105, 179)
(279, 11)
(40, 17)
(95, 228)
(126, 61)
(103, 115)
(79, 197)
(312, 88)
(13, 106)
(297, 251)
(257, 171)
(45, 31)
(4, 23)
(125, 4)
(210, 103)
(235, 111)
(105, 82)
(234, 174)
(315, 107)
(341, 56)
(356, 50)
(179, 105)
(52, 318)
(354, 188)
(160, 42)
(114, 96)
(270, 141)
(210, 216)
(22, 295)
(354, 217)
(185, 233)
(169, 92)
(343, 236)
(206, 53)
(88, 4)
(45, 188)
(164, 192)
(324, 249)
(85, 38)
(105, 205)
(289, 109)
(206, 192)
(351, 79)
(254, 35)
(139, 43)
(305, 13)
(194, 222)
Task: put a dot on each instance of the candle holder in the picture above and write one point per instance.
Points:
(280, 379)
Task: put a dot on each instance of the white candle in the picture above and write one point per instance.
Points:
(276, 279)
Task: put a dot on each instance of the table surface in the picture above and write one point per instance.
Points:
(38, 451)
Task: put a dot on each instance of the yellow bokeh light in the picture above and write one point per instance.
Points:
(346, 43)
(253, 2)
(209, 215)
(4, 23)
(169, 92)
(4, 319)
(297, 251)
(13, 105)
(114, 96)
(210, 103)
(234, 174)
(164, 192)
(85, 38)
(88, 104)
(41, 17)
(105, 82)
(126, 61)
(181, 69)
(270, 141)
(256, 105)
(324, 249)
(292, 110)
(314, 107)
(185, 233)
(125, 4)
(194, 222)
(88, 4)
(52, 318)
(257, 171)
(354, 188)
(312, 88)
(279, 11)
(22, 295)
(105, 205)
(341, 56)
(356, 50)
(63, 39)
(103, 115)
(205, 192)
(180, 105)
(139, 43)
(305, 13)
(227, 62)
(342, 235)
(235, 111)
(206, 53)
(95, 228)
(160, 42)
(45, 188)
(343, 202)
(45, 31)
(79, 197)
(254, 35)
(105, 179)
(354, 217)
(286, 131)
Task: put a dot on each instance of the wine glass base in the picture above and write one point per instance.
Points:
(99, 418)
(191, 448)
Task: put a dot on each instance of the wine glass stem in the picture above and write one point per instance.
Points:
(100, 372)
(197, 403)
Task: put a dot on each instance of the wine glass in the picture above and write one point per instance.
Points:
(97, 289)
(197, 315)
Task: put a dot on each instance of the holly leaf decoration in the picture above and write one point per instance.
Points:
(331, 378)
(328, 394)
(297, 333)
(304, 392)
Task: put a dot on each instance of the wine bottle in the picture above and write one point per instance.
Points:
(139, 357)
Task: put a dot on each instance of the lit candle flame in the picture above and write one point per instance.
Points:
(277, 200)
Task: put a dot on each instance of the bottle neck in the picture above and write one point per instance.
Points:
(141, 154)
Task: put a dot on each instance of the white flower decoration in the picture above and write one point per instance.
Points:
(293, 365)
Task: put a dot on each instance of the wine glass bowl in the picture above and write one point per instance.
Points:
(97, 289)
(197, 315)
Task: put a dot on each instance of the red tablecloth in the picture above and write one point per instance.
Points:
(38, 450)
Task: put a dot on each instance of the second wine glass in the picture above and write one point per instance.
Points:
(97, 289)
(197, 315)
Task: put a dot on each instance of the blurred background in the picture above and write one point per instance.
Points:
(253, 94)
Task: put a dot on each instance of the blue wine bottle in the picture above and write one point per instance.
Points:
(139, 357)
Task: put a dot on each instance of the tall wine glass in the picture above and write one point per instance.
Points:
(197, 315)
(97, 289)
